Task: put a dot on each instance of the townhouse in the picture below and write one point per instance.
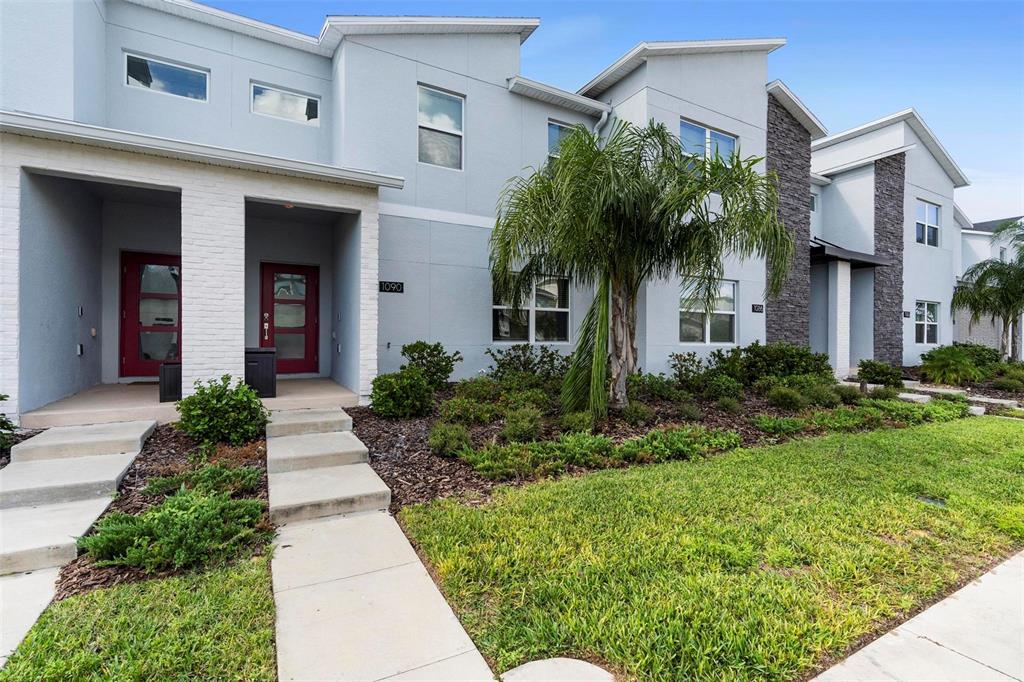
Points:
(181, 183)
(979, 244)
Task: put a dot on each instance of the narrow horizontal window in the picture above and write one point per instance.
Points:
(171, 79)
(699, 140)
(440, 128)
(290, 106)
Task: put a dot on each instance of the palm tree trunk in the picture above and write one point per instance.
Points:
(623, 355)
(1004, 344)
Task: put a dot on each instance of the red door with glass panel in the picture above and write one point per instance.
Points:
(289, 310)
(150, 312)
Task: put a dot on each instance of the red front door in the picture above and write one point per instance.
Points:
(150, 312)
(289, 311)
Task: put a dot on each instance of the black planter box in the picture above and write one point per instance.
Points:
(261, 371)
(170, 382)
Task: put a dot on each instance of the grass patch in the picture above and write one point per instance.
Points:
(755, 564)
(217, 625)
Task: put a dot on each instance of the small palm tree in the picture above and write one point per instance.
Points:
(1012, 231)
(613, 213)
(994, 289)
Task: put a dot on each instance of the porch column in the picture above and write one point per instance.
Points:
(213, 284)
(839, 317)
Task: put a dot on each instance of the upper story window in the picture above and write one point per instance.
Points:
(440, 128)
(813, 203)
(170, 79)
(290, 106)
(927, 223)
(926, 322)
(542, 319)
(702, 141)
(556, 133)
(696, 326)
(1002, 253)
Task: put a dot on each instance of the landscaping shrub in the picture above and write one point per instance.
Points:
(821, 395)
(952, 397)
(807, 382)
(983, 357)
(401, 394)
(918, 413)
(534, 397)
(187, 529)
(586, 450)
(728, 362)
(779, 426)
(765, 384)
(849, 395)
(782, 360)
(522, 424)
(637, 414)
(431, 359)
(542, 362)
(688, 370)
(6, 429)
(884, 393)
(448, 440)
(723, 386)
(875, 372)
(690, 412)
(647, 387)
(576, 422)
(218, 412)
(483, 389)
(949, 365)
(679, 443)
(208, 479)
(729, 404)
(1008, 384)
(1009, 370)
(467, 411)
(848, 419)
(515, 460)
(786, 398)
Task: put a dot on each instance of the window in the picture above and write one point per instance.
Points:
(170, 79)
(440, 126)
(926, 322)
(701, 141)
(813, 203)
(556, 133)
(696, 326)
(542, 319)
(927, 223)
(290, 106)
(1002, 254)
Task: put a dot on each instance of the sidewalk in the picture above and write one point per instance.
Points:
(975, 634)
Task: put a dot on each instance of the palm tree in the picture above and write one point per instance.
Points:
(613, 213)
(1012, 231)
(994, 289)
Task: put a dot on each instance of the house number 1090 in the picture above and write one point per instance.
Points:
(392, 287)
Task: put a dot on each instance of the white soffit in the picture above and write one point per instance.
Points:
(552, 95)
(796, 108)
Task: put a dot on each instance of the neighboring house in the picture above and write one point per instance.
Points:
(978, 244)
(180, 182)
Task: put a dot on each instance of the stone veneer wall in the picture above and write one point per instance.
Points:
(888, 290)
(789, 157)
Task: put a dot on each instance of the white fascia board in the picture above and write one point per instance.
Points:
(835, 170)
(639, 54)
(797, 109)
(961, 217)
(980, 233)
(552, 95)
(109, 138)
(381, 25)
(820, 180)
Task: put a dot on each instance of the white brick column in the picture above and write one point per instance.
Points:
(10, 200)
(839, 317)
(368, 296)
(213, 283)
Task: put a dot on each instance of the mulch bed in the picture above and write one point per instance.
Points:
(16, 437)
(167, 452)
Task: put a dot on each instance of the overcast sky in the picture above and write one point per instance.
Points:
(960, 64)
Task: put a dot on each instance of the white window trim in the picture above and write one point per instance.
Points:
(553, 122)
(707, 134)
(530, 311)
(166, 62)
(927, 324)
(267, 86)
(938, 228)
(461, 133)
(707, 320)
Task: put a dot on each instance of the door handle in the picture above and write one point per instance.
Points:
(266, 331)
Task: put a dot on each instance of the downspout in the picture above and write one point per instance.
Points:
(600, 122)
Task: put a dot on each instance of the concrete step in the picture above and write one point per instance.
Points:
(1000, 402)
(976, 410)
(22, 598)
(915, 397)
(297, 422)
(312, 493)
(314, 450)
(84, 441)
(49, 481)
(43, 536)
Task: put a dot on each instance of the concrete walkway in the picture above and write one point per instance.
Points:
(354, 602)
(975, 634)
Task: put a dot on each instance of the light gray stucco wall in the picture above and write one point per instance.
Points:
(862, 306)
(847, 215)
(60, 271)
(345, 313)
(819, 308)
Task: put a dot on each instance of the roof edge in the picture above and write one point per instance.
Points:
(548, 93)
(368, 24)
(797, 109)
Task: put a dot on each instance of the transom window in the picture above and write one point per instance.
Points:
(291, 106)
(702, 141)
(544, 318)
(556, 133)
(926, 322)
(927, 223)
(697, 326)
(160, 76)
(440, 128)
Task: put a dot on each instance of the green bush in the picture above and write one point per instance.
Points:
(779, 426)
(782, 360)
(908, 414)
(6, 429)
(983, 357)
(208, 479)
(688, 370)
(952, 397)
(401, 394)
(533, 397)
(522, 424)
(807, 382)
(431, 359)
(585, 450)
(187, 529)
(765, 384)
(218, 412)
(678, 443)
(875, 372)
(467, 411)
(637, 414)
(848, 419)
(883, 393)
(949, 365)
(849, 395)
(728, 362)
(723, 386)
(1008, 384)
(576, 422)
(647, 387)
(448, 440)
(786, 398)
(690, 412)
(1008, 370)
(543, 362)
(822, 396)
(482, 389)
(729, 404)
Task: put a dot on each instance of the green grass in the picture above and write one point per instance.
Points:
(755, 564)
(217, 625)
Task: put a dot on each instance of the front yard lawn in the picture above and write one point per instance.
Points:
(762, 563)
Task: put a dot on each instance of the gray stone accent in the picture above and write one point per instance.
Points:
(888, 290)
(789, 157)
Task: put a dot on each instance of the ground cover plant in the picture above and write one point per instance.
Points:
(758, 563)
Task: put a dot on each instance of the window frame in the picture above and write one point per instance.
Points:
(925, 323)
(706, 340)
(927, 226)
(558, 124)
(125, 82)
(531, 316)
(267, 86)
(813, 203)
(460, 133)
(708, 130)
